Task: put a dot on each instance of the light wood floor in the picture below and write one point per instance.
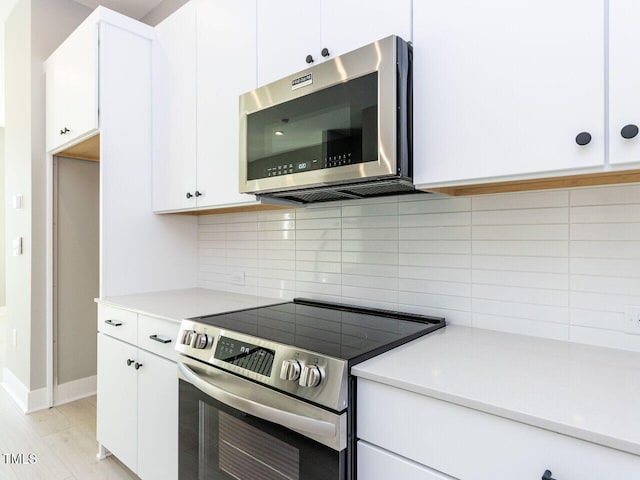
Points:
(61, 438)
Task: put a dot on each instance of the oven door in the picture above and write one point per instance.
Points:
(231, 428)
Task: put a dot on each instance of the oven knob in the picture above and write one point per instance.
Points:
(311, 376)
(290, 370)
(186, 337)
(202, 341)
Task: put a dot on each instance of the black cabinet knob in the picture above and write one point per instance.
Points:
(325, 52)
(629, 131)
(547, 475)
(583, 138)
(137, 365)
(198, 194)
(64, 131)
(309, 59)
(129, 362)
(189, 195)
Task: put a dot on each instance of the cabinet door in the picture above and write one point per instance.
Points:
(377, 464)
(473, 445)
(503, 88)
(174, 111)
(288, 31)
(117, 420)
(157, 417)
(72, 89)
(226, 69)
(347, 25)
(624, 101)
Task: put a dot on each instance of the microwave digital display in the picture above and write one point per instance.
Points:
(329, 128)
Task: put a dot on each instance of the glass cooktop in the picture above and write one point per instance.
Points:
(340, 331)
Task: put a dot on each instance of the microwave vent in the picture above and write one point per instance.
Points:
(346, 192)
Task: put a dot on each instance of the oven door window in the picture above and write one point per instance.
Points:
(329, 128)
(218, 442)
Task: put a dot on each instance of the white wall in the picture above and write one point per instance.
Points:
(2, 222)
(33, 30)
(6, 6)
(162, 11)
(559, 264)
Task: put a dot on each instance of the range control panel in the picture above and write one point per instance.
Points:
(300, 372)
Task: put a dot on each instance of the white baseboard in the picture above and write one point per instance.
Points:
(74, 390)
(28, 400)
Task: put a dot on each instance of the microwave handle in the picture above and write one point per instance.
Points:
(265, 412)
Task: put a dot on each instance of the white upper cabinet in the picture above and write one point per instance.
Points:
(350, 24)
(506, 88)
(226, 61)
(72, 88)
(204, 58)
(174, 110)
(291, 32)
(624, 80)
(288, 32)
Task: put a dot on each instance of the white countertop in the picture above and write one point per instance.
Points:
(191, 302)
(591, 393)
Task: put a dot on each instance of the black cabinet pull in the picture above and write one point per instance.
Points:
(547, 475)
(159, 339)
(113, 323)
(137, 365)
(325, 52)
(129, 362)
(629, 131)
(583, 138)
(198, 194)
(309, 59)
(189, 195)
(65, 131)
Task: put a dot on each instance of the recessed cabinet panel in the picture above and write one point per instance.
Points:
(504, 88)
(288, 31)
(226, 62)
(117, 399)
(157, 417)
(353, 24)
(72, 88)
(174, 111)
(624, 106)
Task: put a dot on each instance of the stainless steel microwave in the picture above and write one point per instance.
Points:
(339, 130)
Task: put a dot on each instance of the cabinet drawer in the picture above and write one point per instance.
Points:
(474, 445)
(118, 323)
(158, 336)
(377, 464)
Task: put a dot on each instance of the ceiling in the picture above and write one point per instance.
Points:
(131, 8)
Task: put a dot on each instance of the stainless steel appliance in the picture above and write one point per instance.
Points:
(339, 130)
(266, 394)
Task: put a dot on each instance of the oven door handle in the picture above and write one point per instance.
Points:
(265, 412)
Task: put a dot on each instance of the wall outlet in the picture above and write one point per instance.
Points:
(237, 278)
(14, 338)
(632, 319)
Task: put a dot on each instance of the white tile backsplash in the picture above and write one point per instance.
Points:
(560, 264)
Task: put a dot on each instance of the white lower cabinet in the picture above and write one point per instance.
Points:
(137, 410)
(426, 436)
(117, 409)
(377, 464)
(157, 417)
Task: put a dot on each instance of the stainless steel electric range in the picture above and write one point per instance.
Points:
(266, 393)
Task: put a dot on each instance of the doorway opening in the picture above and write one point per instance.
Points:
(75, 271)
